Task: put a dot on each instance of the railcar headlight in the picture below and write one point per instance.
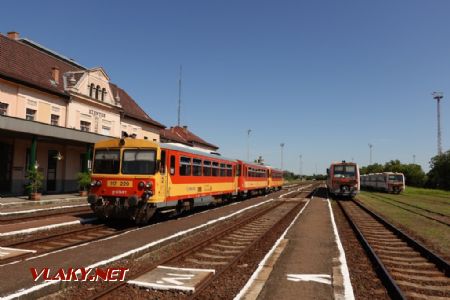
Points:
(141, 184)
(148, 185)
(98, 183)
(93, 183)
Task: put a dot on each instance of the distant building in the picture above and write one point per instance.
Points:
(52, 110)
(182, 135)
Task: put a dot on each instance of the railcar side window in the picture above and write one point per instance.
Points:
(139, 162)
(215, 169)
(197, 167)
(229, 171)
(206, 168)
(172, 165)
(223, 171)
(106, 161)
(185, 166)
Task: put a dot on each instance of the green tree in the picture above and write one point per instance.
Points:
(439, 175)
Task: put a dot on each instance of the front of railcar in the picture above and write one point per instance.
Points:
(124, 179)
(395, 183)
(344, 179)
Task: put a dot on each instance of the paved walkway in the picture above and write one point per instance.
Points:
(45, 199)
(305, 265)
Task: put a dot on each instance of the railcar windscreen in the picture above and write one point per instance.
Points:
(344, 171)
(106, 161)
(138, 161)
(395, 178)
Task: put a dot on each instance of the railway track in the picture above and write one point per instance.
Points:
(407, 269)
(428, 214)
(31, 216)
(221, 251)
(41, 245)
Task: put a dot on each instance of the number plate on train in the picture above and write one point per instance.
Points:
(119, 183)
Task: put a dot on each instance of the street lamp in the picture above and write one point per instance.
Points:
(300, 166)
(248, 144)
(282, 146)
(438, 96)
(370, 147)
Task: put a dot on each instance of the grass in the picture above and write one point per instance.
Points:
(433, 234)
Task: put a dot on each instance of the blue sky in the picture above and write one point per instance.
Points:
(325, 77)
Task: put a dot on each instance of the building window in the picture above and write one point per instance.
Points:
(54, 120)
(91, 90)
(106, 130)
(3, 109)
(85, 126)
(103, 94)
(97, 91)
(31, 114)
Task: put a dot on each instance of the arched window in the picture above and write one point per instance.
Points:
(103, 94)
(97, 91)
(91, 90)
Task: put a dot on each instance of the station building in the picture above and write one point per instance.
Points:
(52, 111)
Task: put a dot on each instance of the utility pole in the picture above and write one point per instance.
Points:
(438, 96)
(282, 146)
(414, 159)
(370, 147)
(248, 144)
(179, 97)
(300, 166)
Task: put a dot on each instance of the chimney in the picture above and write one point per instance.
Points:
(55, 74)
(13, 35)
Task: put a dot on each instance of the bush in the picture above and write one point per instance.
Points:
(84, 180)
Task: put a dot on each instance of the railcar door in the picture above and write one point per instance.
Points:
(162, 191)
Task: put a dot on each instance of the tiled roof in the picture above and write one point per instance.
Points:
(183, 135)
(25, 63)
(31, 64)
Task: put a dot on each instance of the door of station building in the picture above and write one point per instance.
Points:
(51, 170)
(6, 155)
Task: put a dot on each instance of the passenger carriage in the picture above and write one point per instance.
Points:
(275, 179)
(253, 179)
(389, 182)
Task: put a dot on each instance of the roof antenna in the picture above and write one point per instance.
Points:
(179, 96)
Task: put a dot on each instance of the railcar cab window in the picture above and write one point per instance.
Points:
(185, 166)
(139, 161)
(106, 161)
(344, 171)
(395, 178)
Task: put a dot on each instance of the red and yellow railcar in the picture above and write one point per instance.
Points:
(253, 179)
(134, 178)
(275, 179)
(343, 179)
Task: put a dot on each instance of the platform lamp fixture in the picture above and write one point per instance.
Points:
(438, 96)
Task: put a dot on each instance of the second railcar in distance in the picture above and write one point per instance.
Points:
(389, 182)
(343, 179)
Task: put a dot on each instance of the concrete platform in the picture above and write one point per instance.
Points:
(8, 202)
(172, 278)
(307, 263)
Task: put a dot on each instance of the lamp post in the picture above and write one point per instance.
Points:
(282, 146)
(438, 96)
(370, 158)
(248, 144)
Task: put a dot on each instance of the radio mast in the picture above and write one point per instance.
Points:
(179, 97)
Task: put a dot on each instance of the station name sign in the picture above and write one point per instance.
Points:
(96, 113)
